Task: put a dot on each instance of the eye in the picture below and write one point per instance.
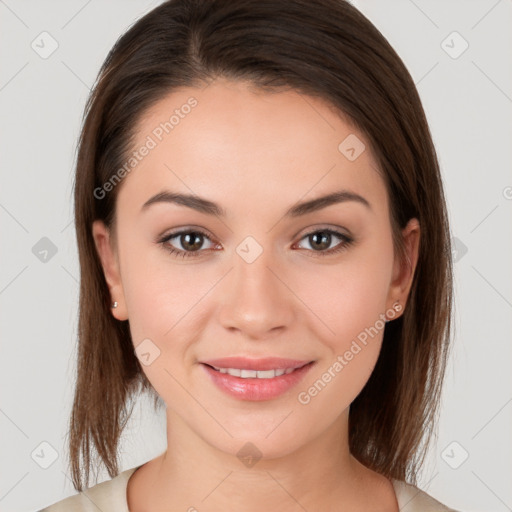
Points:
(192, 240)
(322, 239)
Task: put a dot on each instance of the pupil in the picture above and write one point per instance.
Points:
(324, 240)
(192, 246)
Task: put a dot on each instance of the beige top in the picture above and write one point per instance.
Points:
(110, 496)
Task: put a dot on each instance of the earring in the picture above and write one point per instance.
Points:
(396, 307)
(114, 305)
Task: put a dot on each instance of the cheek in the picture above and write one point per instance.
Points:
(338, 382)
(348, 297)
(157, 292)
(355, 313)
(164, 308)
(165, 305)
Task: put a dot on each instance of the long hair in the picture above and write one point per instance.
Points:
(322, 48)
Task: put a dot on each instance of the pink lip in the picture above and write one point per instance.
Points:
(255, 389)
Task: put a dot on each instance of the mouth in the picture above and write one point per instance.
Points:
(256, 380)
(254, 374)
(244, 373)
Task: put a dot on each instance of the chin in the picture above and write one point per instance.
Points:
(252, 449)
(259, 439)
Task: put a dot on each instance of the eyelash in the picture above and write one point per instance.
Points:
(347, 241)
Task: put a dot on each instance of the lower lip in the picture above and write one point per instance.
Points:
(257, 389)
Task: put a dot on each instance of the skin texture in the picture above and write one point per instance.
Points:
(255, 154)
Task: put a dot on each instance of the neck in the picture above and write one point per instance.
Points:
(194, 475)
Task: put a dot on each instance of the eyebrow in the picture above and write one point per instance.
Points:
(210, 208)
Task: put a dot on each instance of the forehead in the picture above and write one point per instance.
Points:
(229, 140)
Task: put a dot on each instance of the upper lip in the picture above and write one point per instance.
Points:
(244, 363)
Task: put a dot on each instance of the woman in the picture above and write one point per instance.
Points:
(264, 248)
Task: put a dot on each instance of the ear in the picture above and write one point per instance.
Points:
(110, 263)
(403, 271)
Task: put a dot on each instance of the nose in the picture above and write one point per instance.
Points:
(255, 299)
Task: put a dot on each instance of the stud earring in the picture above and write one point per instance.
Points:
(392, 312)
(114, 305)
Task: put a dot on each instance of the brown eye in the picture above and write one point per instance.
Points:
(321, 239)
(190, 243)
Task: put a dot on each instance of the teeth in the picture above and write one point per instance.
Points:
(255, 374)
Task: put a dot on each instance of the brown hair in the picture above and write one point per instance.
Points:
(326, 49)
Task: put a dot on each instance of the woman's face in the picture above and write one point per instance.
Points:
(256, 281)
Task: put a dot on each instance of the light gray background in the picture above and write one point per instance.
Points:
(468, 101)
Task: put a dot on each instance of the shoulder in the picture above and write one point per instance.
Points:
(412, 499)
(108, 496)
